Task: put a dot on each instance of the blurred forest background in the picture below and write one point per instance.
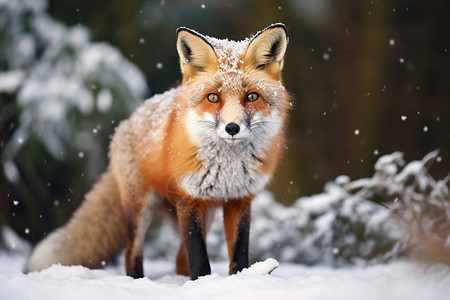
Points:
(368, 77)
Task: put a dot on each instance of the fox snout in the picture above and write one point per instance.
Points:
(232, 124)
(233, 132)
(232, 128)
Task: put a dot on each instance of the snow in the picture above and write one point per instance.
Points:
(410, 170)
(104, 100)
(11, 172)
(160, 105)
(388, 163)
(10, 81)
(399, 280)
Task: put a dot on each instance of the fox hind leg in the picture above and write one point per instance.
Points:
(169, 210)
(182, 264)
(138, 221)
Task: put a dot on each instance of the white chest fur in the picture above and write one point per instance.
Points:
(229, 170)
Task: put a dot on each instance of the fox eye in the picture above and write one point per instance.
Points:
(213, 98)
(252, 97)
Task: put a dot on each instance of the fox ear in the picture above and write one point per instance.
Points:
(196, 54)
(266, 50)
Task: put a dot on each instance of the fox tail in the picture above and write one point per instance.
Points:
(94, 235)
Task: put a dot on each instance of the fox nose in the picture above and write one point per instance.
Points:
(232, 128)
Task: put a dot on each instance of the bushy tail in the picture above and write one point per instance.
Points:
(95, 234)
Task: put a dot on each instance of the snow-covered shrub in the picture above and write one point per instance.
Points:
(333, 228)
(419, 203)
(401, 208)
(60, 83)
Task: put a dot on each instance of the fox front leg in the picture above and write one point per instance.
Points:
(192, 220)
(236, 215)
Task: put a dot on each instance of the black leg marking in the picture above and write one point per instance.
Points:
(240, 256)
(137, 271)
(194, 241)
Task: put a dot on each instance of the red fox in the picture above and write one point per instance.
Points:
(214, 141)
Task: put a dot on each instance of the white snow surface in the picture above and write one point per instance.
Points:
(398, 280)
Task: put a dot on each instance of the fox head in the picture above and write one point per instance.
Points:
(233, 90)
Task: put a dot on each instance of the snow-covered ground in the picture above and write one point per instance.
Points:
(398, 280)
